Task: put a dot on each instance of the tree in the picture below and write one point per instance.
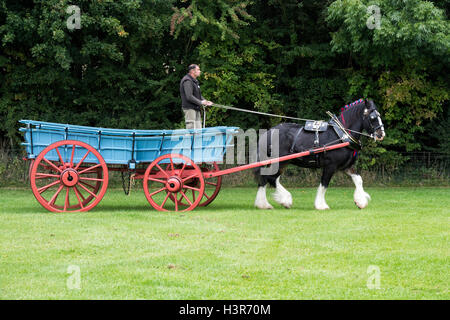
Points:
(403, 63)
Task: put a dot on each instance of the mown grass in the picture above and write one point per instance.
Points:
(229, 250)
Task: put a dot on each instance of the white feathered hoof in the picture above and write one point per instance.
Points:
(361, 199)
(320, 203)
(283, 198)
(264, 206)
(322, 207)
(261, 200)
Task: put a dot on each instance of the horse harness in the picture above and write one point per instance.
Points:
(321, 126)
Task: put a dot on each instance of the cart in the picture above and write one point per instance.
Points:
(69, 164)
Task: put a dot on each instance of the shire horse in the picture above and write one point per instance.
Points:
(293, 138)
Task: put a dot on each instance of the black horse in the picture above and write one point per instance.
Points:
(292, 138)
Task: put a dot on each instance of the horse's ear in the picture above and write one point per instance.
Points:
(368, 104)
(366, 107)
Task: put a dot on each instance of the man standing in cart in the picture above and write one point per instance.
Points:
(192, 99)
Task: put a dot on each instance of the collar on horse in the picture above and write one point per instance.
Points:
(342, 133)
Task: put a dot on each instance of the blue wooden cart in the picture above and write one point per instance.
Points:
(70, 164)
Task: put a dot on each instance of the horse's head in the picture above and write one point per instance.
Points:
(372, 121)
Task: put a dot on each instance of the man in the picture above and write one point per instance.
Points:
(192, 99)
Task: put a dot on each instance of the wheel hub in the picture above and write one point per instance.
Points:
(69, 177)
(174, 184)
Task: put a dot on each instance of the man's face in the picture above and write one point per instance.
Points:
(196, 72)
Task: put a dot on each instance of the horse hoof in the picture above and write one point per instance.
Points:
(323, 208)
(285, 199)
(362, 202)
(264, 207)
(361, 199)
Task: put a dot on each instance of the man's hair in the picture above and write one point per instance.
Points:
(192, 67)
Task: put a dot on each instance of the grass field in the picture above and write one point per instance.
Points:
(229, 250)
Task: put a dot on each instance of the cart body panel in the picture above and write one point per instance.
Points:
(121, 146)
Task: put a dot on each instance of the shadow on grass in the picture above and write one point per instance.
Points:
(124, 208)
(219, 206)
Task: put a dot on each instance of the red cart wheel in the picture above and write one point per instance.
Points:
(212, 186)
(169, 176)
(73, 169)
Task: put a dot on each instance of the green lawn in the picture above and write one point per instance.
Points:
(229, 250)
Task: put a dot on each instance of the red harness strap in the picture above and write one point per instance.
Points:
(343, 120)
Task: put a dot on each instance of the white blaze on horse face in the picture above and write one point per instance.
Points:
(360, 197)
(281, 195)
(383, 134)
(261, 199)
(320, 202)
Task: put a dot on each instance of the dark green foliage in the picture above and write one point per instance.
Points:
(296, 58)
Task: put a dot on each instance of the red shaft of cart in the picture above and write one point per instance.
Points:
(274, 160)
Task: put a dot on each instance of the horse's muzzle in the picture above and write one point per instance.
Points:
(379, 135)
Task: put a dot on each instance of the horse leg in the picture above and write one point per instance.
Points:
(360, 197)
(261, 199)
(281, 195)
(320, 202)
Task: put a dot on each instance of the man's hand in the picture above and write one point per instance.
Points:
(207, 103)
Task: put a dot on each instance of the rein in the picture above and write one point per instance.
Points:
(292, 118)
(257, 112)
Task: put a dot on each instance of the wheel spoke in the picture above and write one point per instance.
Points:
(88, 191)
(211, 183)
(55, 196)
(182, 169)
(157, 191)
(204, 193)
(187, 199)
(59, 155)
(82, 159)
(171, 164)
(176, 202)
(87, 184)
(91, 179)
(52, 165)
(161, 169)
(71, 156)
(66, 201)
(44, 188)
(157, 180)
(165, 200)
(78, 197)
(192, 188)
(79, 192)
(46, 175)
(190, 177)
(89, 169)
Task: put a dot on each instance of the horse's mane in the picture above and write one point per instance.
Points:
(351, 105)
